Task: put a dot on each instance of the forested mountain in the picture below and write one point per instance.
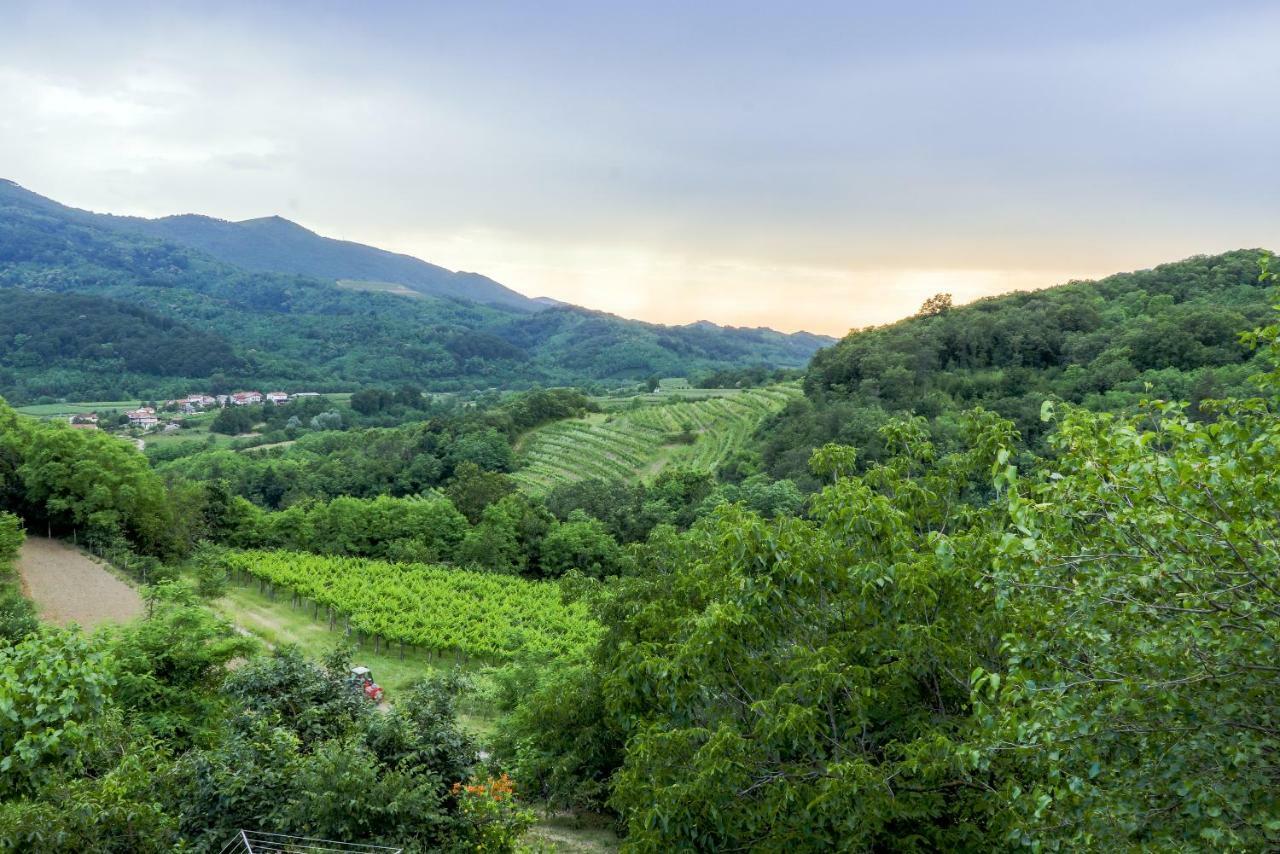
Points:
(273, 244)
(37, 329)
(1172, 332)
(276, 245)
(302, 330)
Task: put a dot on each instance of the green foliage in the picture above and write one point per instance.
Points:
(558, 738)
(583, 545)
(631, 511)
(170, 664)
(17, 616)
(1105, 345)
(11, 537)
(758, 493)
(232, 421)
(309, 754)
(536, 407)
(473, 489)
(87, 346)
(52, 686)
(424, 529)
(84, 480)
(1141, 701)
(798, 683)
(114, 800)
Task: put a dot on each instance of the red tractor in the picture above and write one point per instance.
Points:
(362, 681)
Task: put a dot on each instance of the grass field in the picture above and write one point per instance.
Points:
(62, 410)
(378, 287)
(646, 435)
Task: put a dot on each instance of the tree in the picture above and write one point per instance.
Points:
(371, 400)
(935, 305)
(581, 544)
(805, 683)
(170, 665)
(88, 480)
(1142, 704)
(472, 489)
(486, 448)
(232, 421)
(52, 687)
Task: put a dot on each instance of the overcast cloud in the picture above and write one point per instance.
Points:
(791, 165)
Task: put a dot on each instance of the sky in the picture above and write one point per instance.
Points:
(819, 166)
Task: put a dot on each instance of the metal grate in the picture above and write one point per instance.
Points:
(261, 842)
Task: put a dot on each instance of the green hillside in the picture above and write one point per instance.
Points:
(640, 441)
(276, 245)
(294, 330)
(1172, 332)
(79, 344)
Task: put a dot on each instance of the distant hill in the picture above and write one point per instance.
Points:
(276, 245)
(299, 329)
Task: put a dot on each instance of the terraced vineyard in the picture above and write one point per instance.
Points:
(641, 441)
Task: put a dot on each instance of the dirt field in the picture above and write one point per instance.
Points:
(69, 587)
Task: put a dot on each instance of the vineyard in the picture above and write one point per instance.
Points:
(642, 440)
(436, 608)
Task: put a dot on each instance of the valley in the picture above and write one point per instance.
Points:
(681, 600)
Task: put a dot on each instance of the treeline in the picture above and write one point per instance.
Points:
(1172, 332)
(96, 488)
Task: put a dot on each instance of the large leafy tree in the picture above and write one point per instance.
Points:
(805, 683)
(52, 687)
(1142, 705)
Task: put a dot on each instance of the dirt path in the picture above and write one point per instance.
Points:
(69, 587)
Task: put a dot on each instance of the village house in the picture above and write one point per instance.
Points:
(244, 398)
(195, 402)
(84, 421)
(277, 397)
(185, 404)
(144, 418)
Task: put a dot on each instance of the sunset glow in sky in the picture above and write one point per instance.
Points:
(815, 166)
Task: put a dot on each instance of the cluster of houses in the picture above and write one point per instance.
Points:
(145, 417)
(197, 402)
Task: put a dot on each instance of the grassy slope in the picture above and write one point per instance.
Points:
(62, 410)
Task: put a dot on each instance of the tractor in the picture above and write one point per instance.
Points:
(362, 681)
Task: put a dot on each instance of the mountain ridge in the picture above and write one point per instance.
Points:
(299, 330)
(274, 244)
